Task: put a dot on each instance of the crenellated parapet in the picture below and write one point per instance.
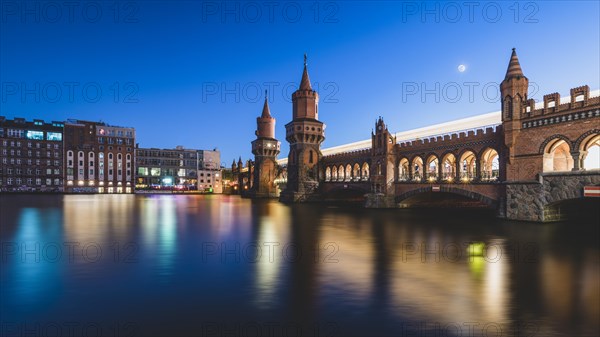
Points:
(489, 135)
(348, 157)
(552, 104)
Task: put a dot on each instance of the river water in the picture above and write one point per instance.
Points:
(176, 265)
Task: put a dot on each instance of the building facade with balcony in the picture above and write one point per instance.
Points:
(31, 155)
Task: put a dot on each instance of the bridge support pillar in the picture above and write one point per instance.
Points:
(379, 200)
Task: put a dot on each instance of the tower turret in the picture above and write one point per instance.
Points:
(513, 91)
(265, 149)
(305, 100)
(305, 133)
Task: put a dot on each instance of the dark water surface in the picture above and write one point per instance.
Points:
(165, 265)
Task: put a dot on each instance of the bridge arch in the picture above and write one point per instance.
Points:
(588, 146)
(365, 170)
(447, 189)
(432, 166)
(356, 171)
(448, 165)
(467, 164)
(403, 169)
(556, 152)
(417, 167)
(348, 173)
(489, 162)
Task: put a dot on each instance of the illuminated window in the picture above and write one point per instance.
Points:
(54, 136)
(35, 135)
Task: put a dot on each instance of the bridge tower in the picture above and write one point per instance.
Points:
(265, 149)
(513, 91)
(305, 133)
(382, 154)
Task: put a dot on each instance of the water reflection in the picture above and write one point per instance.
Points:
(369, 272)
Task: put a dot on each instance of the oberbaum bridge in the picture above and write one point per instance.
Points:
(524, 161)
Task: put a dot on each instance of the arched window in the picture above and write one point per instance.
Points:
(466, 166)
(417, 168)
(432, 168)
(356, 172)
(348, 172)
(449, 167)
(490, 166)
(328, 174)
(557, 156)
(334, 174)
(341, 175)
(508, 108)
(590, 153)
(403, 170)
(365, 171)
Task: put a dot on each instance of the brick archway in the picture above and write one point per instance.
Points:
(447, 189)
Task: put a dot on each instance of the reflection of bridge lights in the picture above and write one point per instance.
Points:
(476, 249)
(476, 265)
(449, 180)
(431, 179)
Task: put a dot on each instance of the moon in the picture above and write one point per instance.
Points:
(462, 68)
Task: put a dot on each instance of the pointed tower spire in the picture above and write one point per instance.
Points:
(305, 82)
(266, 112)
(514, 67)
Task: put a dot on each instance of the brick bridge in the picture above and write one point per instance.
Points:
(524, 165)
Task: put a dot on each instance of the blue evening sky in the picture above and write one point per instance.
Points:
(193, 73)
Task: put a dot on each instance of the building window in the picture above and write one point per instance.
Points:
(35, 135)
(54, 136)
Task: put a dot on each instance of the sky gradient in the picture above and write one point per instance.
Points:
(194, 73)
